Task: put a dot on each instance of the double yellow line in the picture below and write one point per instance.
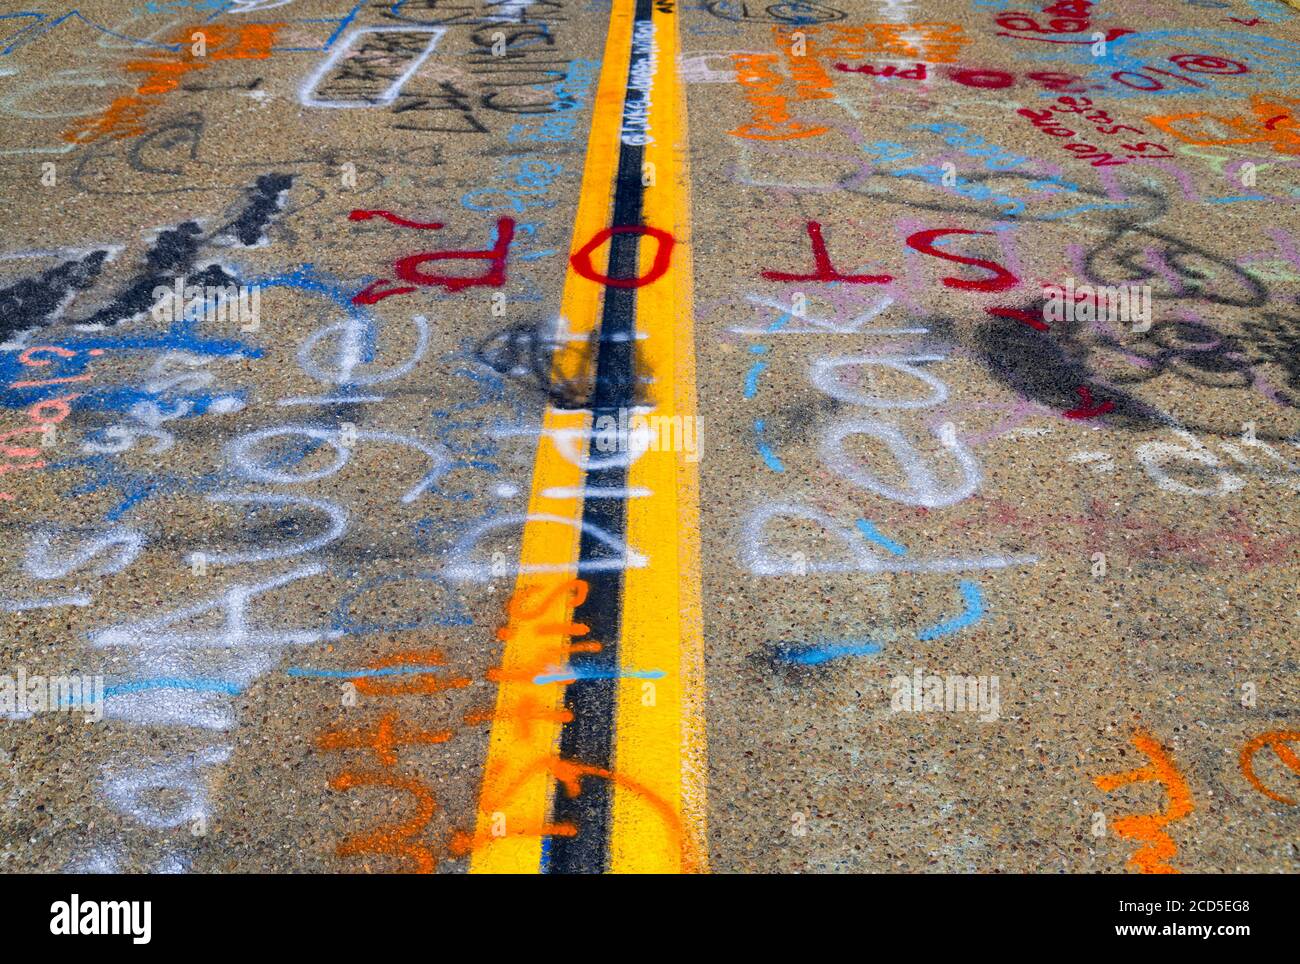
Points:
(658, 769)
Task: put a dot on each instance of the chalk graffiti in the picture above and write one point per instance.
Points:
(369, 67)
(1149, 829)
(1277, 741)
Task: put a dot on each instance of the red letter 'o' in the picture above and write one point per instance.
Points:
(581, 259)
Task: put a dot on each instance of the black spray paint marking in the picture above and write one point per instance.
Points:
(34, 302)
(265, 199)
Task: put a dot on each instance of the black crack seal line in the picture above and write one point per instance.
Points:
(589, 738)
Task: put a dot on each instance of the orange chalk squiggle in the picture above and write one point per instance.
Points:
(1277, 739)
(417, 683)
(1149, 827)
(499, 789)
(394, 839)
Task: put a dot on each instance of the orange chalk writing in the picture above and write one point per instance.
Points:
(392, 839)
(1149, 828)
(1277, 741)
(384, 738)
(161, 74)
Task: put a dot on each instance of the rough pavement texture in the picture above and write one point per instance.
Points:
(915, 463)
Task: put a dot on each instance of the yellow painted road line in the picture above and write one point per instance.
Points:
(515, 795)
(659, 740)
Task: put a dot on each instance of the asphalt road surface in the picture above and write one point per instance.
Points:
(633, 435)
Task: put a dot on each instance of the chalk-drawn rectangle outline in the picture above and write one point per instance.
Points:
(388, 96)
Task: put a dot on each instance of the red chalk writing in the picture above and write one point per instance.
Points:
(409, 269)
(581, 259)
(1002, 279)
(824, 270)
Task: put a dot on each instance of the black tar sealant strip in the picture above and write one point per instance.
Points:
(589, 738)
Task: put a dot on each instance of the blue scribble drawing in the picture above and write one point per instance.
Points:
(814, 654)
(572, 674)
(823, 651)
(136, 487)
(41, 27)
(447, 612)
(974, 599)
(764, 449)
(360, 673)
(197, 684)
(873, 534)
